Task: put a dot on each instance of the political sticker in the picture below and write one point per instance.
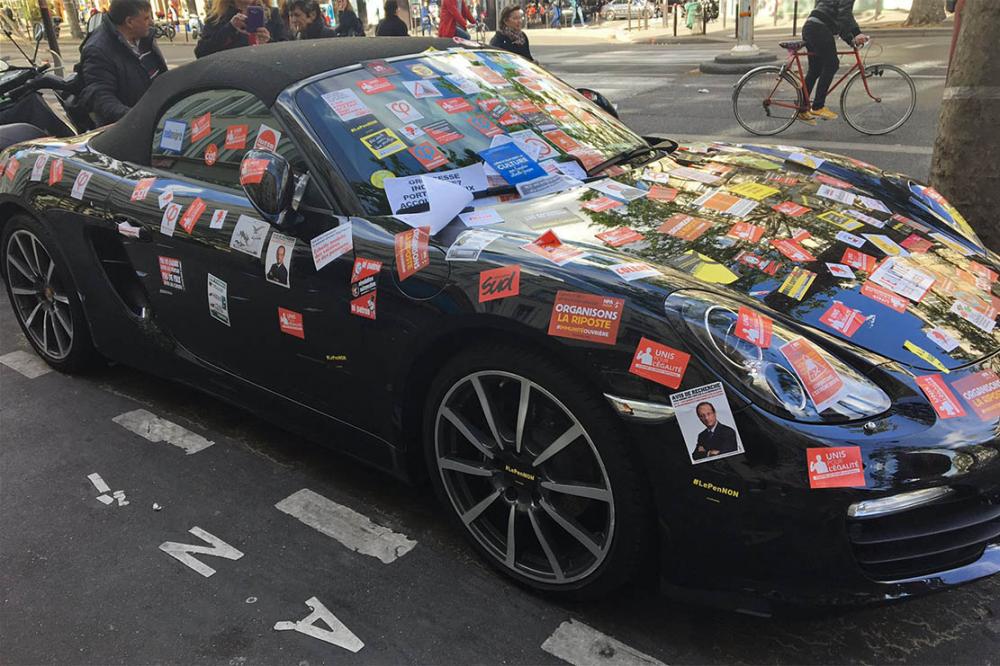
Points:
(380, 68)
(724, 203)
(859, 260)
(768, 266)
(942, 339)
(746, 231)
(480, 218)
(364, 281)
(925, 356)
(841, 271)
(171, 273)
(346, 104)
(838, 219)
(797, 283)
(375, 86)
(586, 317)
(819, 378)
(543, 149)
(548, 246)
(499, 283)
(886, 244)
(836, 467)
(940, 396)
(661, 193)
(851, 239)
(976, 318)
(443, 132)
(873, 204)
(464, 83)
(633, 270)
(278, 259)
(572, 170)
(454, 104)
(412, 252)
(252, 170)
(843, 319)
(201, 126)
(80, 184)
(790, 208)
(896, 275)
(489, 76)
(218, 299)
(601, 204)
(469, 245)
(172, 139)
(512, 163)
(248, 235)
(620, 236)
(806, 160)
(236, 137)
(218, 219)
(792, 250)
(428, 156)
(697, 175)
(211, 154)
(546, 185)
(659, 363)
(383, 143)
(613, 188)
(684, 227)
(55, 171)
(10, 169)
(423, 71)
(142, 188)
(192, 214)
(267, 138)
(753, 327)
(39, 167)
(707, 424)
(755, 191)
(562, 140)
(482, 123)
(404, 110)
(169, 220)
(331, 245)
(422, 89)
(884, 296)
(982, 391)
(290, 323)
(836, 194)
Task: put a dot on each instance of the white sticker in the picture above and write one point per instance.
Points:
(165, 197)
(169, 220)
(841, 271)
(850, 239)
(942, 339)
(544, 148)
(572, 169)
(466, 85)
(687, 173)
(706, 422)
(803, 159)
(218, 219)
(867, 219)
(346, 104)
(404, 110)
(39, 167)
(973, 316)
(873, 204)
(249, 235)
(410, 191)
(332, 244)
(80, 184)
(422, 89)
(278, 260)
(616, 190)
(173, 135)
(218, 299)
(469, 245)
(546, 185)
(481, 218)
(267, 138)
(840, 196)
(532, 150)
(905, 280)
(411, 131)
(635, 270)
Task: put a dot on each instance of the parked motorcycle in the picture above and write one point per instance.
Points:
(161, 30)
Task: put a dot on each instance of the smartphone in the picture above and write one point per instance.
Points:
(255, 18)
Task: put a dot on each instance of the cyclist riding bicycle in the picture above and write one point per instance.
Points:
(829, 18)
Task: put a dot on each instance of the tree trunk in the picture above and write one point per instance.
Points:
(71, 17)
(924, 12)
(966, 164)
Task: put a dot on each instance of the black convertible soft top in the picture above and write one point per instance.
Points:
(261, 70)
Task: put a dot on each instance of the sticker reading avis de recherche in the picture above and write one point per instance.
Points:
(707, 424)
(279, 259)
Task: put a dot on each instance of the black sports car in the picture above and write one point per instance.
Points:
(760, 370)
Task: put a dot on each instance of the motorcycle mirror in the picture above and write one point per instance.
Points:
(39, 34)
(267, 181)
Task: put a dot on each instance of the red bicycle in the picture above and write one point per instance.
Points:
(877, 99)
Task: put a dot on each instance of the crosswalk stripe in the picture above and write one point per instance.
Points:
(152, 427)
(580, 645)
(27, 364)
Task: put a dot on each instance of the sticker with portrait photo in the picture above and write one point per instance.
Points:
(706, 422)
(278, 259)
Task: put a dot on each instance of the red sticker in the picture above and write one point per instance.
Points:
(563, 140)
(364, 305)
(836, 467)
(915, 243)
(586, 317)
(792, 250)
(662, 193)
(620, 236)
(746, 231)
(602, 204)
(884, 296)
(12, 166)
(252, 170)
(488, 75)
(753, 327)
(548, 246)
(236, 137)
(411, 251)
(982, 391)
(56, 171)
(142, 188)
(791, 209)
(832, 182)
(768, 266)
(192, 214)
(940, 396)
(820, 380)
(364, 268)
(499, 283)
(659, 363)
(290, 323)
(377, 85)
(860, 260)
(484, 125)
(443, 132)
(428, 156)
(454, 104)
(267, 138)
(523, 106)
(684, 226)
(509, 119)
(987, 274)
(799, 235)
(201, 126)
(211, 154)
(841, 318)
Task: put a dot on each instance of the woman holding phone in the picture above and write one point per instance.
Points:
(235, 23)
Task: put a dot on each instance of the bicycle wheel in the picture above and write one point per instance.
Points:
(884, 105)
(766, 101)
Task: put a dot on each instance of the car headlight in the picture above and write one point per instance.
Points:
(788, 374)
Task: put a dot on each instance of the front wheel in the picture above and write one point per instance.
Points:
(880, 101)
(766, 101)
(531, 465)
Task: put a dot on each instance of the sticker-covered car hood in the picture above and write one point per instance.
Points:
(831, 243)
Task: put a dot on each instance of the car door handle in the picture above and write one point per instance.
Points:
(128, 228)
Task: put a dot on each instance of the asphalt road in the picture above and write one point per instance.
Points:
(83, 581)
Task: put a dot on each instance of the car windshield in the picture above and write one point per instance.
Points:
(437, 112)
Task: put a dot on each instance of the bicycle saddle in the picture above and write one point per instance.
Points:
(792, 46)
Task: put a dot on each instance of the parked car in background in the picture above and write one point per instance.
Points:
(619, 9)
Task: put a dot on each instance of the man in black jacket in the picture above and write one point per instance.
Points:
(716, 439)
(119, 60)
(829, 18)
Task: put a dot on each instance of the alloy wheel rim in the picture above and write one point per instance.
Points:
(525, 477)
(38, 296)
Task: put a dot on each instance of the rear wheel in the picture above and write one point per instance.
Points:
(891, 101)
(766, 101)
(44, 298)
(532, 468)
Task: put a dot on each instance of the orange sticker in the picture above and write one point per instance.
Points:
(601, 204)
(659, 363)
(982, 391)
(940, 396)
(499, 283)
(841, 318)
(836, 467)
(290, 323)
(56, 171)
(860, 260)
(211, 154)
(191, 215)
(884, 296)
(550, 247)
(12, 166)
(236, 137)
(792, 250)
(746, 231)
(252, 171)
(820, 380)
(561, 139)
(586, 317)
(661, 193)
(753, 327)
(411, 251)
(364, 305)
(684, 226)
(201, 126)
(142, 188)
(620, 236)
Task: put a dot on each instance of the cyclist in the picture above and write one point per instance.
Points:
(829, 18)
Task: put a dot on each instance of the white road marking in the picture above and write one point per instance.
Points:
(99, 483)
(27, 364)
(823, 145)
(338, 634)
(184, 552)
(580, 645)
(347, 526)
(152, 427)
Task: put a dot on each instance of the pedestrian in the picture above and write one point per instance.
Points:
(691, 11)
(455, 19)
(225, 27)
(576, 11)
(510, 36)
(392, 25)
(304, 20)
(829, 18)
(348, 23)
(94, 21)
(556, 14)
(426, 27)
(119, 60)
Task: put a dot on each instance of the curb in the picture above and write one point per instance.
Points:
(726, 63)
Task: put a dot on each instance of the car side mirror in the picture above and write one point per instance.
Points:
(600, 100)
(267, 181)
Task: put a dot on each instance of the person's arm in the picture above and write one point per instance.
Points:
(848, 26)
(215, 37)
(100, 88)
(467, 13)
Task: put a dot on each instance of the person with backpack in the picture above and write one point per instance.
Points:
(829, 18)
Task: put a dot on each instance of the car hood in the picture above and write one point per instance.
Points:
(920, 290)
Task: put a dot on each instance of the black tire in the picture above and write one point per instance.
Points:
(70, 349)
(893, 86)
(773, 81)
(534, 488)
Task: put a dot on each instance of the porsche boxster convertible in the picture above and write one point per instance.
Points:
(760, 371)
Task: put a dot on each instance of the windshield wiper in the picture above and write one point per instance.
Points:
(666, 146)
